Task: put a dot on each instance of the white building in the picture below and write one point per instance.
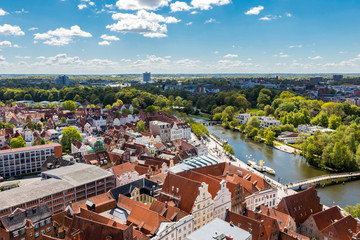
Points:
(222, 201)
(266, 197)
(99, 121)
(176, 132)
(243, 118)
(29, 136)
(26, 160)
(266, 122)
(163, 129)
(175, 230)
(311, 129)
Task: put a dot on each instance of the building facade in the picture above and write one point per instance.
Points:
(26, 160)
(163, 129)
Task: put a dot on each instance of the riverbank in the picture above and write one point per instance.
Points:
(215, 147)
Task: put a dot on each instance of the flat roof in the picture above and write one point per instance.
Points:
(24, 149)
(218, 227)
(63, 178)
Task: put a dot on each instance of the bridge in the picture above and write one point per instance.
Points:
(210, 123)
(323, 178)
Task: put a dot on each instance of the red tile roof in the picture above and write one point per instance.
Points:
(301, 205)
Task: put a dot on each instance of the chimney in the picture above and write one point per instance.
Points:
(285, 230)
(166, 204)
(229, 238)
(231, 224)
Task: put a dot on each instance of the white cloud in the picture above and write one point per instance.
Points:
(216, 52)
(23, 57)
(141, 4)
(61, 36)
(91, 3)
(254, 10)
(148, 24)
(33, 28)
(207, 4)
(3, 12)
(21, 11)
(188, 24)
(109, 38)
(288, 14)
(104, 43)
(2, 58)
(315, 58)
(283, 55)
(194, 12)
(211, 20)
(81, 6)
(231, 56)
(296, 46)
(7, 29)
(269, 18)
(179, 6)
(5, 44)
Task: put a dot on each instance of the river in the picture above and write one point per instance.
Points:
(289, 168)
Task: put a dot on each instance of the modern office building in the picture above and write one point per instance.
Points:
(62, 80)
(25, 160)
(58, 188)
(147, 77)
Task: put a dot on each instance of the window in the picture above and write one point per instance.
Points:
(330, 234)
(42, 231)
(37, 234)
(48, 229)
(31, 234)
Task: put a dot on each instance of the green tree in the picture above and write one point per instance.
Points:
(353, 210)
(18, 142)
(63, 120)
(228, 149)
(69, 134)
(69, 105)
(108, 106)
(253, 133)
(140, 126)
(321, 119)
(269, 137)
(152, 108)
(254, 122)
(118, 103)
(334, 122)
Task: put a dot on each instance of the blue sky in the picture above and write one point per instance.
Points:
(186, 36)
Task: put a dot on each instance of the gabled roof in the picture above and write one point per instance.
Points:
(19, 217)
(128, 204)
(343, 229)
(327, 217)
(301, 205)
(182, 187)
(283, 219)
(146, 220)
(123, 168)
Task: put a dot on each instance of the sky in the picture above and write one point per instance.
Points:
(185, 36)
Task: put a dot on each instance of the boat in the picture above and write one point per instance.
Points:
(251, 163)
(269, 170)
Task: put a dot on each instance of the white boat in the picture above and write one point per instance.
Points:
(269, 170)
(251, 163)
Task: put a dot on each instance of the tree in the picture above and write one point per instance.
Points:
(353, 210)
(253, 133)
(152, 108)
(264, 98)
(140, 126)
(126, 111)
(38, 105)
(18, 142)
(69, 105)
(269, 137)
(63, 120)
(69, 134)
(228, 149)
(334, 122)
(108, 106)
(254, 122)
(42, 141)
(321, 120)
(118, 103)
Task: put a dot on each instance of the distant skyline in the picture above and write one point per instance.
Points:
(186, 36)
